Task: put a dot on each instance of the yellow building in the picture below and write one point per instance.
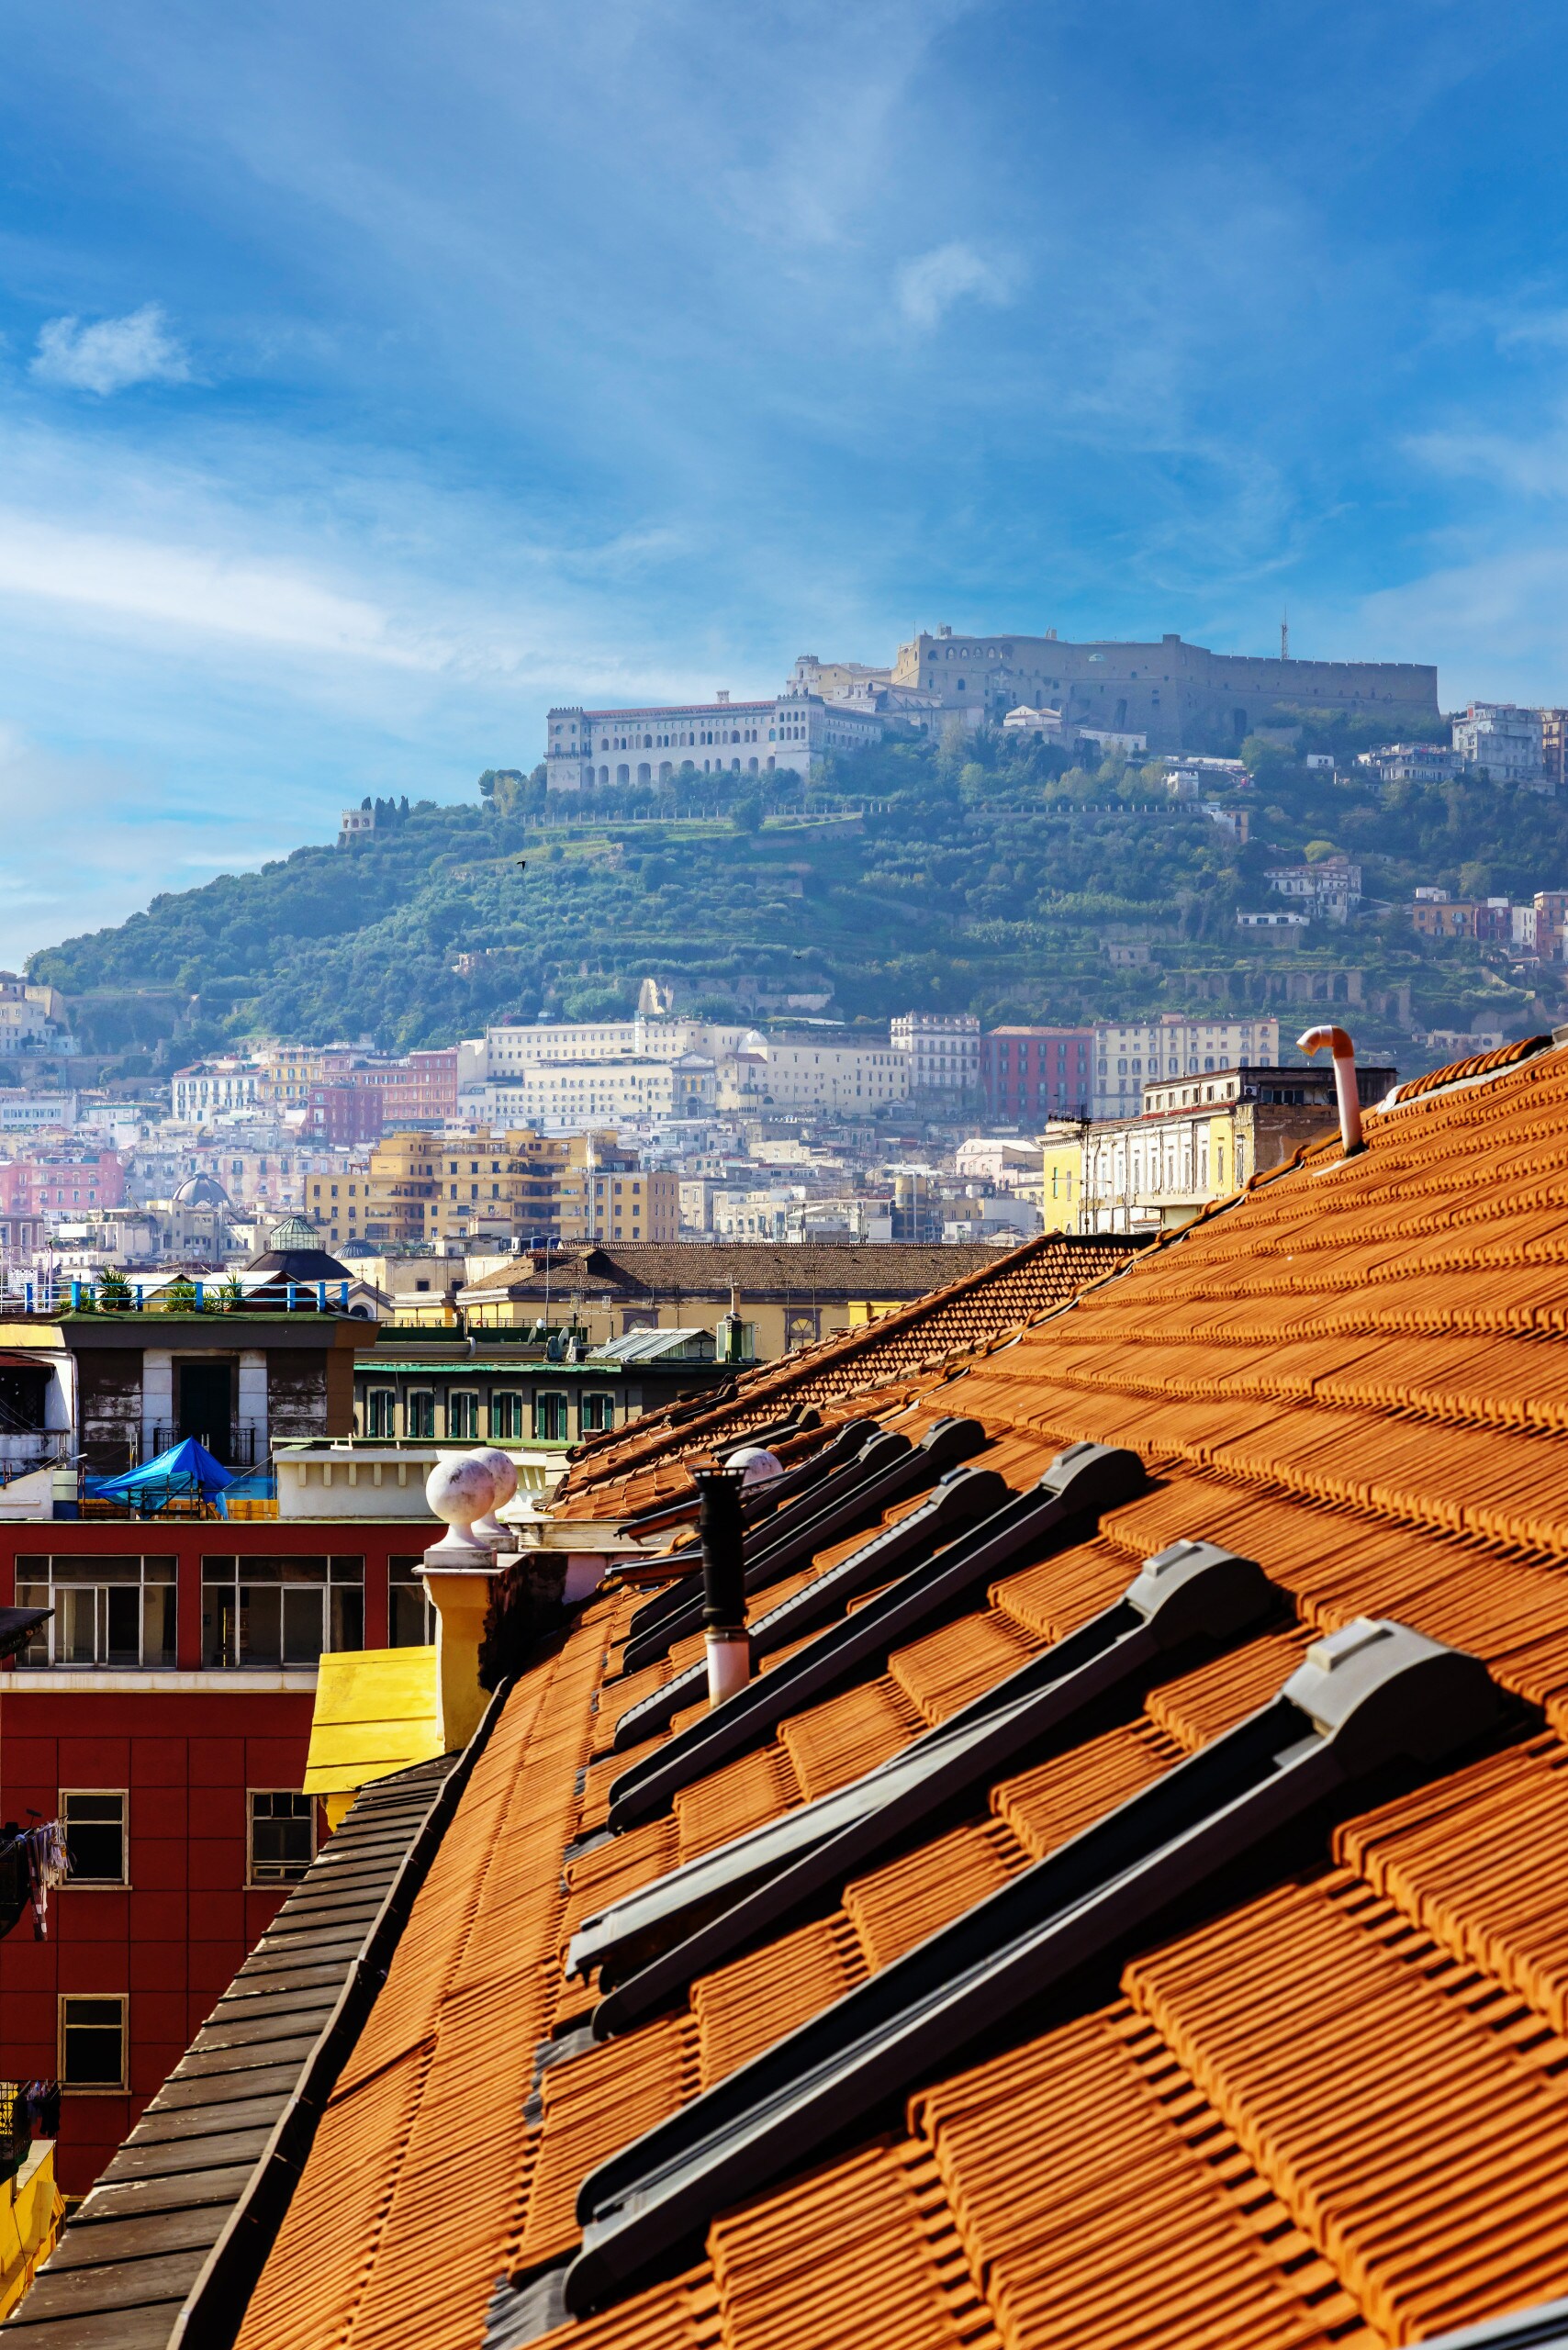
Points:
(1200, 1139)
(604, 1195)
(494, 1187)
(402, 1189)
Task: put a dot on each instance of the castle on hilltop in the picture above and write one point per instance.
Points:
(1181, 696)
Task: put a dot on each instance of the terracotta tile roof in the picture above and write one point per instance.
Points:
(997, 1296)
(1326, 2104)
(799, 1270)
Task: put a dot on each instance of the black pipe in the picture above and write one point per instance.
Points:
(722, 1537)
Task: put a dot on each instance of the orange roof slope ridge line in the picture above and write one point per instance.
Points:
(1042, 1270)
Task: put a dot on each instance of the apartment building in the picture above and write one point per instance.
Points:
(60, 1183)
(1129, 1054)
(573, 1094)
(663, 742)
(941, 1050)
(1328, 892)
(810, 1074)
(1032, 1074)
(33, 1018)
(1490, 921)
(1195, 1139)
(217, 1089)
(1504, 740)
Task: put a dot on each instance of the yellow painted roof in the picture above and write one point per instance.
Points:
(375, 1712)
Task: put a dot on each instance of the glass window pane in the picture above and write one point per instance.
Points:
(157, 1570)
(283, 1836)
(422, 1413)
(412, 1624)
(95, 1834)
(219, 1570)
(261, 1624)
(298, 1569)
(123, 1615)
(301, 1627)
(348, 1616)
(101, 1570)
(348, 1569)
(94, 2044)
(219, 1625)
(76, 1626)
(158, 1624)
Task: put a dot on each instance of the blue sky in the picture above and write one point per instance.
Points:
(373, 376)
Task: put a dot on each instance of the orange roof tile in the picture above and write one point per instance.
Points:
(1334, 2110)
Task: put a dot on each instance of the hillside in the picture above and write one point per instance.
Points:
(984, 876)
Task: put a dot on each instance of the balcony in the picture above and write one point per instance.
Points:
(241, 1444)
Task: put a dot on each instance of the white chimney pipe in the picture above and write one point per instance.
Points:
(1339, 1043)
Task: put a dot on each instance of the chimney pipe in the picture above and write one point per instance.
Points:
(1339, 1043)
(723, 1582)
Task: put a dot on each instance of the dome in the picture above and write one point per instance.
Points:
(201, 1191)
(294, 1232)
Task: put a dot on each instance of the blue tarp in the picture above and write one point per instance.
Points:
(186, 1468)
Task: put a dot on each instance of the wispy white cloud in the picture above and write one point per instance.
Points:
(927, 286)
(110, 355)
(1531, 465)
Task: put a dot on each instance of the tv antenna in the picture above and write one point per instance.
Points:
(1285, 636)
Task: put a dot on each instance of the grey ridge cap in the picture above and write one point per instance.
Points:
(887, 1470)
(1080, 1484)
(1371, 1695)
(1193, 1594)
(1542, 2327)
(958, 1498)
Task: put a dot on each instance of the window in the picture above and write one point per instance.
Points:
(595, 1414)
(550, 1419)
(421, 1411)
(272, 1611)
(381, 1412)
(462, 1415)
(410, 1611)
(109, 1613)
(92, 2042)
(506, 1416)
(281, 1837)
(93, 1821)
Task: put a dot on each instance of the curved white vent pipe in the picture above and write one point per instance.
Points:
(1339, 1043)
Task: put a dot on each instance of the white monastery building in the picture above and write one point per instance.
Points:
(793, 728)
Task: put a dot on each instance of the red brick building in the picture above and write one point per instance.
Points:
(167, 1725)
(1031, 1074)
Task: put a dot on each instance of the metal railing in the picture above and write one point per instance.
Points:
(239, 1444)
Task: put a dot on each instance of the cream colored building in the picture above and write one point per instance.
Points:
(1199, 1139)
(1129, 1055)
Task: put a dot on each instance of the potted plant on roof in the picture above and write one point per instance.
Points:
(230, 1298)
(179, 1296)
(114, 1291)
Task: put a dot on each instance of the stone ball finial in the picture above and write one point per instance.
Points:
(459, 1488)
(756, 1464)
(503, 1470)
